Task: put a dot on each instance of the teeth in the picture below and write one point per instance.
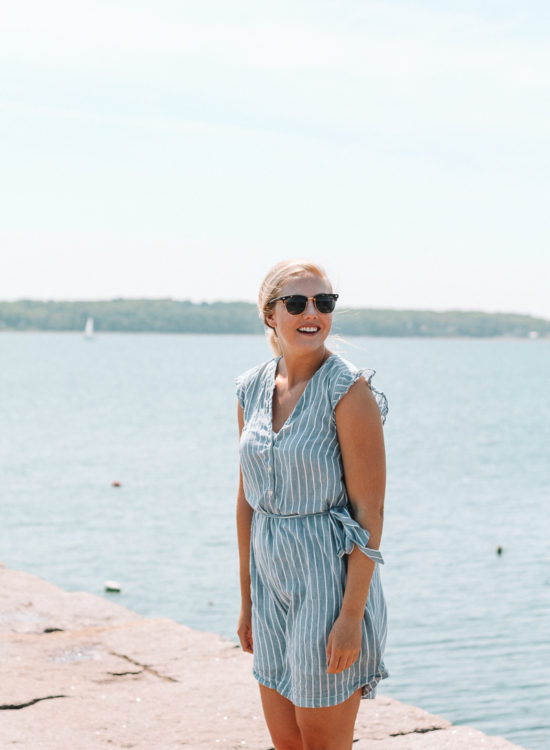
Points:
(308, 329)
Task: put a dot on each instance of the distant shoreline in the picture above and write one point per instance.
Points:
(100, 334)
(183, 316)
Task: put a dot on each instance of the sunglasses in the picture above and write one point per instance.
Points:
(296, 303)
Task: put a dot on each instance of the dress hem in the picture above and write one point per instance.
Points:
(368, 691)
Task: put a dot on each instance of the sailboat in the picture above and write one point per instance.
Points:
(89, 329)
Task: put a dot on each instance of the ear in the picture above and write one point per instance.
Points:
(270, 321)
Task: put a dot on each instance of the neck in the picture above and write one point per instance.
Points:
(300, 367)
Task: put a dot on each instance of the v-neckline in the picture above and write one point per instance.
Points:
(302, 395)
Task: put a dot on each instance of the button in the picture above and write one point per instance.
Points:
(269, 469)
(270, 492)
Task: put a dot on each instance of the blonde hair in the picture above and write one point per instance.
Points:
(271, 287)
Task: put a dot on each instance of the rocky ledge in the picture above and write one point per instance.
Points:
(83, 673)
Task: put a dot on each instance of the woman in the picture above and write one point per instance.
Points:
(310, 499)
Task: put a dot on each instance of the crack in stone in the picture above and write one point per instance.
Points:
(417, 731)
(123, 674)
(145, 667)
(16, 706)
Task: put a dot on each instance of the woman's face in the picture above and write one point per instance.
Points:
(308, 330)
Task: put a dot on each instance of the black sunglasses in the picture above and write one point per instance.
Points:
(296, 303)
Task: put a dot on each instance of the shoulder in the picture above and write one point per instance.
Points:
(343, 375)
(254, 373)
(248, 380)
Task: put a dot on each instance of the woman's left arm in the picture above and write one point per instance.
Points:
(361, 440)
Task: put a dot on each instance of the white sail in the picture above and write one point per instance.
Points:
(89, 329)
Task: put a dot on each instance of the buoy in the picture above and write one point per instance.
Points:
(114, 483)
(499, 550)
(112, 586)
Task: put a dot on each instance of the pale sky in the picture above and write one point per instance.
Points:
(179, 149)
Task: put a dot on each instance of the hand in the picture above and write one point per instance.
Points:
(244, 630)
(344, 643)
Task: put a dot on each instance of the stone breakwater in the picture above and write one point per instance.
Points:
(83, 673)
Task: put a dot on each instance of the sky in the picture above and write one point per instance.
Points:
(179, 149)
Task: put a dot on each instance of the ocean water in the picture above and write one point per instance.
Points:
(468, 450)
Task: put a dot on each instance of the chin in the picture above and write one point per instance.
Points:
(315, 342)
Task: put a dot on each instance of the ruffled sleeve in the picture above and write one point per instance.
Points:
(240, 387)
(247, 384)
(347, 377)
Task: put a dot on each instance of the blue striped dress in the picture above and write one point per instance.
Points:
(301, 533)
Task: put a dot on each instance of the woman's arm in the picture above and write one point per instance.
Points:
(362, 444)
(244, 521)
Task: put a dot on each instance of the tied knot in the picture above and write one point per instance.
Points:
(350, 534)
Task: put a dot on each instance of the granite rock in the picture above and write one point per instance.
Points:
(82, 673)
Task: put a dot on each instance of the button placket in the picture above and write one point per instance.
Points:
(270, 472)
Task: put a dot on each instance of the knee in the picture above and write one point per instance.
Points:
(288, 742)
(318, 740)
(320, 744)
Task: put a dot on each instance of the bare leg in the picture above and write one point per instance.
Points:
(328, 728)
(281, 720)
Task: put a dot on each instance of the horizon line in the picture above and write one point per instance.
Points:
(248, 302)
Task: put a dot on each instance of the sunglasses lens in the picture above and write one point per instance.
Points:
(325, 303)
(296, 304)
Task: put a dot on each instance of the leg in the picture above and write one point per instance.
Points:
(281, 720)
(329, 728)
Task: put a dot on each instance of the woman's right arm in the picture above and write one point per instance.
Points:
(244, 521)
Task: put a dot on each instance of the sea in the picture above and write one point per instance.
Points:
(467, 525)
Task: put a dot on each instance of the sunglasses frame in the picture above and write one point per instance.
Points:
(286, 297)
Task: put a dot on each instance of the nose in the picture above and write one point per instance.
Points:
(310, 308)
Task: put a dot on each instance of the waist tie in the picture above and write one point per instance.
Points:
(347, 531)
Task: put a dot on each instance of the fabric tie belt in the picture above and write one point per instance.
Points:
(347, 531)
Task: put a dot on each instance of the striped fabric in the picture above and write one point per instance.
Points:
(302, 531)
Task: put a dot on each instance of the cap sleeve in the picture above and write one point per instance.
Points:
(347, 377)
(240, 388)
(248, 384)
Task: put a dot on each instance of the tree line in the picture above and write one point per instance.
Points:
(183, 316)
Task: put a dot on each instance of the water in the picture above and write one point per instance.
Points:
(468, 445)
